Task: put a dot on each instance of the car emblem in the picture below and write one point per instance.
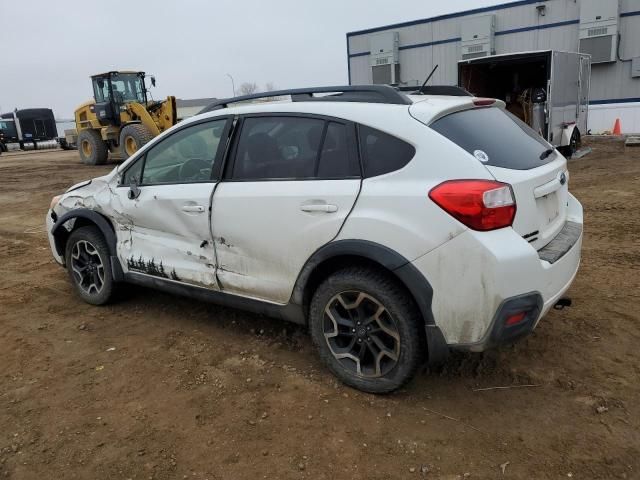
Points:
(482, 156)
(563, 179)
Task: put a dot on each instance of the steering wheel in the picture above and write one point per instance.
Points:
(193, 168)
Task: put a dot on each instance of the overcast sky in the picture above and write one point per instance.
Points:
(51, 47)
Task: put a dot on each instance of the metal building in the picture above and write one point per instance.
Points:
(190, 107)
(609, 30)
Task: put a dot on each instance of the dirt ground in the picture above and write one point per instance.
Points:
(162, 387)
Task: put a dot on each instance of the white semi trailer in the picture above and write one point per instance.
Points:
(548, 89)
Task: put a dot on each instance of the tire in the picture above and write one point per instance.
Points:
(93, 150)
(574, 144)
(370, 290)
(86, 246)
(132, 138)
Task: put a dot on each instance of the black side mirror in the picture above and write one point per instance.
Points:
(153, 81)
(134, 191)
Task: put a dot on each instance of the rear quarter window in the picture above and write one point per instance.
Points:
(382, 153)
(495, 137)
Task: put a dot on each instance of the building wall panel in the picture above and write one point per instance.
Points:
(518, 28)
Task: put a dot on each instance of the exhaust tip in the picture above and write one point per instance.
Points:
(562, 303)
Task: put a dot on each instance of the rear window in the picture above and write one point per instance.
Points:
(495, 137)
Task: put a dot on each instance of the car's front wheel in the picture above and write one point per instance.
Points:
(89, 265)
(367, 329)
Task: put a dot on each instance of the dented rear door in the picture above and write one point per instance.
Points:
(291, 184)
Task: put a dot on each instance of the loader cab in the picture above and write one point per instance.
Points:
(113, 90)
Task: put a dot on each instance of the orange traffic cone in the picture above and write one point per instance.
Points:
(617, 127)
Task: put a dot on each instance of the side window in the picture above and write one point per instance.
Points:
(133, 174)
(293, 148)
(101, 89)
(186, 156)
(278, 147)
(336, 159)
(383, 153)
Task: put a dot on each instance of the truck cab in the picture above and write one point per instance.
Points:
(8, 133)
(29, 129)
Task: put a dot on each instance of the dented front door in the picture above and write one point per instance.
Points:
(169, 236)
(165, 197)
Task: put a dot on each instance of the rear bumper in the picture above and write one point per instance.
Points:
(478, 276)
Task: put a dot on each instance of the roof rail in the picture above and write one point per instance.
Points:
(346, 93)
(448, 90)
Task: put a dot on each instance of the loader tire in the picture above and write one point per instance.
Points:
(93, 150)
(132, 138)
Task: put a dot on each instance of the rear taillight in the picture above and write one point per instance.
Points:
(479, 204)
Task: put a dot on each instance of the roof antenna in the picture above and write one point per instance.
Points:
(428, 78)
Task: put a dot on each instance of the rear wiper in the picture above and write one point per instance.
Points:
(544, 155)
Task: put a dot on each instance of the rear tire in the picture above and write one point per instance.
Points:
(89, 265)
(93, 150)
(133, 137)
(367, 329)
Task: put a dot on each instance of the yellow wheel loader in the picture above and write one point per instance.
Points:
(121, 118)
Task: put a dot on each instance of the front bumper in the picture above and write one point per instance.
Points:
(476, 273)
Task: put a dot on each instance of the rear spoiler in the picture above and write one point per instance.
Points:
(446, 90)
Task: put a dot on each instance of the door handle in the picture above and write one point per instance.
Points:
(319, 207)
(193, 208)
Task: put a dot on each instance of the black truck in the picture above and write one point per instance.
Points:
(29, 129)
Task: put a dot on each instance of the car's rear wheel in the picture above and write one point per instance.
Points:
(366, 328)
(89, 265)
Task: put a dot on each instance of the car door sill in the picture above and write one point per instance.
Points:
(289, 312)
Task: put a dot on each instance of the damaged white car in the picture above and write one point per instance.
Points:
(397, 227)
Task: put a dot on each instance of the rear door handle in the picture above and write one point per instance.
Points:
(193, 208)
(319, 207)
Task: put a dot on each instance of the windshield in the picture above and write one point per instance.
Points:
(126, 87)
(8, 128)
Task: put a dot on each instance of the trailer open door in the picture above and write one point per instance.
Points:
(563, 99)
(584, 87)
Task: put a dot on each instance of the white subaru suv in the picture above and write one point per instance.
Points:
(396, 227)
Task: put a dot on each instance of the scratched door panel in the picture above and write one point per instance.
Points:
(264, 235)
(291, 186)
(170, 235)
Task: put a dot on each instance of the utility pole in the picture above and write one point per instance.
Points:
(233, 84)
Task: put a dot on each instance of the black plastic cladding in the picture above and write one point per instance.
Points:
(344, 93)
